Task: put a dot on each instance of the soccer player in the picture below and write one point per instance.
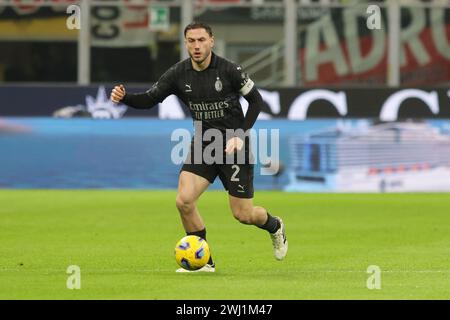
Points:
(210, 86)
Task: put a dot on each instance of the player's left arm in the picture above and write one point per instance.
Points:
(255, 103)
(242, 83)
(248, 90)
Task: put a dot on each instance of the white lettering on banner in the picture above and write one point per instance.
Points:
(299, 108)
(170, 108)
(322, 45)
(359, 63)
(411, 37)
(389, 110)
(332, 54)
(271, 98)
(438, 32)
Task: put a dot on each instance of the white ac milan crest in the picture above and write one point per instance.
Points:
(218, 85)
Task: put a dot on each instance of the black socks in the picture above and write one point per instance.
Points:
(272, 224)
(201, 234)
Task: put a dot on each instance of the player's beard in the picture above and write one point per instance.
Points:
(201, 59)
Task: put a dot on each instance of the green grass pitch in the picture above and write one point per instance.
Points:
(123, 242)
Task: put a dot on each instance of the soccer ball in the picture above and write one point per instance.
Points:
(192, 252)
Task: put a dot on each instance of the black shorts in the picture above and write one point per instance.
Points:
(236, 177)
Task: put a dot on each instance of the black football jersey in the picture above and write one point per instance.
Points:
(212, 95)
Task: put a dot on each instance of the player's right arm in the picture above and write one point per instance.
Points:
(146, 100)
(118, 93)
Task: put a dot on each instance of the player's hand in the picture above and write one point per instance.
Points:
(233, 145)
(118, 93)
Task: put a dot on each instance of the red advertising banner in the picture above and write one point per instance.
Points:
(339, 49)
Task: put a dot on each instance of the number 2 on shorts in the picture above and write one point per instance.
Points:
(233, 176)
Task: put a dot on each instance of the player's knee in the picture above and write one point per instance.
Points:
(184, 204)
(243, 215)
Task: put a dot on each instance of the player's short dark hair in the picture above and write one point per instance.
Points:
(198, 25)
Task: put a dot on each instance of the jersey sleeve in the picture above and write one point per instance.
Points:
(163, 88)
(240, 80)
